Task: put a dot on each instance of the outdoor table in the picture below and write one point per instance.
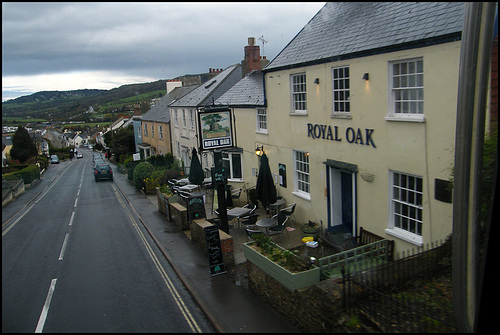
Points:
(266, 223)
(188, 188)
(238, 212)
(275, 207)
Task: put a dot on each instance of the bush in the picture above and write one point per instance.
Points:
(130, 165)
(141, 172)
(28, 174)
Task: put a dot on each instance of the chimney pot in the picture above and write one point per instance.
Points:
(251, 40)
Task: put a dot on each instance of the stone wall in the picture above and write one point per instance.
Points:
(315, 309)
(178, 215)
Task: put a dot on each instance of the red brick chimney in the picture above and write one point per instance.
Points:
(252, 57)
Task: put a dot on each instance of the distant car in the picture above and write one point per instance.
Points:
(103, 171)
(54, 159)
(79, 154)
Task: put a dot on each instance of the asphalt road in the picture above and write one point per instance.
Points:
(76, 259)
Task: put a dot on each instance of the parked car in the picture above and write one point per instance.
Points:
(79, 154)
(54, 159)
(103, 171)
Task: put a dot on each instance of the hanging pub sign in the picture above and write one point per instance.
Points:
(215, 128)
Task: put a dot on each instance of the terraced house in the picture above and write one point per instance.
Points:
(358, 119)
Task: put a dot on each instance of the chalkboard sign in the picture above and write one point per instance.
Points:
(214, 250)
(219, 175)
(196, 208)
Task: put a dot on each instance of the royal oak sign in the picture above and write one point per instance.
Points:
(326, 132)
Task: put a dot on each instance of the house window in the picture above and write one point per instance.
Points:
(152, 130)
(184, 118)
(407, 91)
(406, 206)
(301, 173)
(191, 119)
(176, 118)
(160, 131)
(341, 86)
(261, 120)
(146, 130)
(232, 162)
(298, 89)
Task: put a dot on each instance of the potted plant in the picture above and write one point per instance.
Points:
(311, 229)
(281, 264)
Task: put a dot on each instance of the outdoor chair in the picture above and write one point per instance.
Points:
(281, 220)
(235, 194)
(252, 206)
(250, 219)
(252, 231)
(289, 210)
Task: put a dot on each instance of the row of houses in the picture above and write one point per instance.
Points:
(357, 115)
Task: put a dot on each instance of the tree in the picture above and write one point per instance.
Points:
(121, 142)
(22, 145)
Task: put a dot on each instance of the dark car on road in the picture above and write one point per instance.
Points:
(103, 171)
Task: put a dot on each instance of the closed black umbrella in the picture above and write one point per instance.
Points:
(265, 190)
(196, 175)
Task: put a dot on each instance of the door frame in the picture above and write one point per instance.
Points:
(346, 168)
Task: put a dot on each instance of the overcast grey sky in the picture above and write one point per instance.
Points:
(67, 46)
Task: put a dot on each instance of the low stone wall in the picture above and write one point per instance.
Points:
(226, 241)
(178, 216)
(315, 309)
(11, 189)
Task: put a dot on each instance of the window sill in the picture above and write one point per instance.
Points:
(298, 113)
(302, 195)
(262, 132)
(341, 116)
(406, 236)
(417, 119)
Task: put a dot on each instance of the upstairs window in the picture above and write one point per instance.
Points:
(160, 131)
(299, 97)
(261, 120)
(341, 90)
(145, 130)
(407, 89)
(191, 119)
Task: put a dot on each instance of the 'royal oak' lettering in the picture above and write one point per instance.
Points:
(352, 135)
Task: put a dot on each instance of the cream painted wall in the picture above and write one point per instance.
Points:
(425, 148)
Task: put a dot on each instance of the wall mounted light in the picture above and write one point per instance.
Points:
(366, 76)
(259, 150)
(316, 81)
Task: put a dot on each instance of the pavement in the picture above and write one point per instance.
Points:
(228, 305)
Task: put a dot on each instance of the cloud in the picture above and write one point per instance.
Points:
(138, 40)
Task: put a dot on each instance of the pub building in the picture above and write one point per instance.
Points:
(357, 116)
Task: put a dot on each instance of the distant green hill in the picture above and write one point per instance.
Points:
(63, 105)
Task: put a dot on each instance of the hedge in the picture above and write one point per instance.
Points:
(28, 174)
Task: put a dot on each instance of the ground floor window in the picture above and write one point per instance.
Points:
(301, 173)
(406, 205)
(232, 162)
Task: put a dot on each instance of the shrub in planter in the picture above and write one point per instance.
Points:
(141, 172)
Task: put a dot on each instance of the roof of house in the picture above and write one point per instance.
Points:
(211, 89)
(342, 30)
(159, 112)
(248, 92)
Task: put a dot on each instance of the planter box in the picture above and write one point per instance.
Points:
(292, 281)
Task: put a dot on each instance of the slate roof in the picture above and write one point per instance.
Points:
(214, 87)
(343, 30)
(159, 112)
(248, 92)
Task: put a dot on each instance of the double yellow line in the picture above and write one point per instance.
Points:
(175, 294)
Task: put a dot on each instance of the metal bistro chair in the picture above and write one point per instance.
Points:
(252, 231)
(289, 210)
(252, 206)
(281, 220)
(250, 219)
